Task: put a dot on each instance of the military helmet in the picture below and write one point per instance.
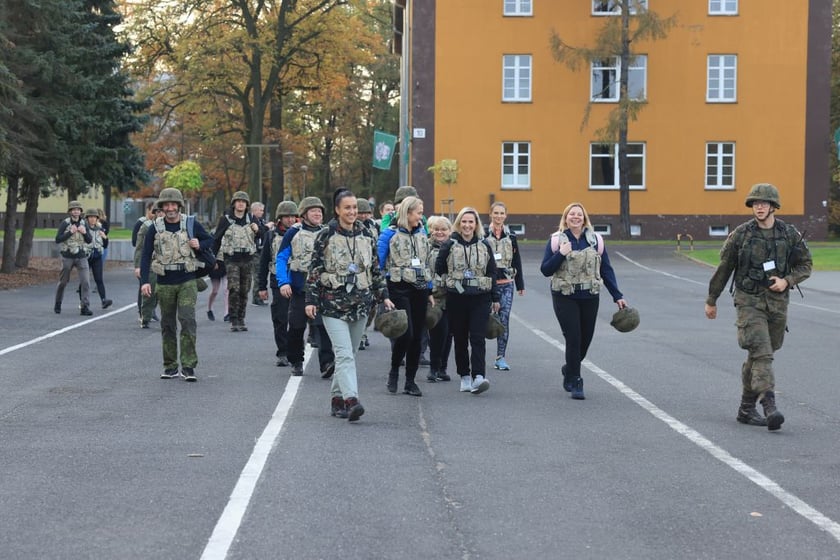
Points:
(310, 202)
(434, 314)
(625, 319)
(74, 204)
(495, 327)
(92, 212)
(403, 192)
(170, 195)
(240, 195)
(392, 324)
(363, 206)
(764, 191)
(286, 208)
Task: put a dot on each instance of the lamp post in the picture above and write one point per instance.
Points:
(288, 158)
(304, 168)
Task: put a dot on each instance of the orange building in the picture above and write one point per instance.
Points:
(737, 94)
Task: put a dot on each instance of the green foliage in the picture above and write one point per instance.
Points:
(826, 255)
(186, 177)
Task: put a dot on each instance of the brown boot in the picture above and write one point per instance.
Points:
(338, 408)
(354, 409)
(747, 414)
(775, 419)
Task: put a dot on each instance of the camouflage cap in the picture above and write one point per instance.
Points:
(74, 204)
(625, 319)
(495, 327)
(363, 206)
(392, 324)
(404, 191)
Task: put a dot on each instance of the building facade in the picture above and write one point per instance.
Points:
(736, 94)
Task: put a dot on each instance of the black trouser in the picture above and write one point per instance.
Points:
(577, 321)
(297, 328)
(468, 316)
(440, 344)
(413, 301)
(96, 266)
(280, 321)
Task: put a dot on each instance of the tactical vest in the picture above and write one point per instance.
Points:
(503, 247)
(238, 240)
(74, 246)
(172, 249)
(340, 253)
(754, 249)
(437, 280)
(468, 268)
(96, 244)
(581, 270)
(403, 249)
(302, 245)
(276, 241)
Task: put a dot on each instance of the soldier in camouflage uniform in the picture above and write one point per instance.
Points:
(767, 258)
(73, 239)
(236, 246)
(170, 253)
(344, 280)
(263, 226)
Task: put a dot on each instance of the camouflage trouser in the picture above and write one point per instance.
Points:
(148, 304)
(239, 288)
(761, 325)
(177, 304)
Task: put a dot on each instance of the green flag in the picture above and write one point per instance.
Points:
(383, 149)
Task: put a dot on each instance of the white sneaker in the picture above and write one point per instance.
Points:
(466, 384)
(479, 385)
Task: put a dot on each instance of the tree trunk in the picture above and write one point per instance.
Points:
(623, 163)
(30, 221)
(8, 265)
(275, 121)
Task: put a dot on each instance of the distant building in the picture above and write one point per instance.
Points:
(738, 93)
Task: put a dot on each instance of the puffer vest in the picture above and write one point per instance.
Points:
(172, 249)
(238, 240)
(344, 254)
(467, 268)
(408, 255)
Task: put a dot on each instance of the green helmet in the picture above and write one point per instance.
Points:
(764, 191)
(310, 202)
(403, 192)
(363, 206)
(434, 314)
(495, 327)
(286, 208)
(240, 195)
(74, 204)
(392, 324)
(626, 319)
(170, 195)
(92, 212)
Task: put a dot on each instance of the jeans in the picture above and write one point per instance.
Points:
(345, 337)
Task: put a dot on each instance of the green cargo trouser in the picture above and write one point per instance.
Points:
(177, 304)
(761, 321)
(239, 286)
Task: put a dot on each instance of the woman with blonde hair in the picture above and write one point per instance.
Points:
(440, 339)
(577, 263)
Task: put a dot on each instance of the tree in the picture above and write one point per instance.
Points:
(834, 190)
(616, 41)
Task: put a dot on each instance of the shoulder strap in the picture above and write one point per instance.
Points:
(190, 226)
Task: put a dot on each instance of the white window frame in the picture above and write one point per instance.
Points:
(613, 154)
(718, 231)
(637, 71)
(518, 8)
(513, 159)
(723, 7)
(613, 7)
(603, 229)
(722, 78)
(720, 166)
(517, 75)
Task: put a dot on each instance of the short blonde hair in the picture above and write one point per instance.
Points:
(408, 204)
(438, 222)
(586, 222)
(456, 225)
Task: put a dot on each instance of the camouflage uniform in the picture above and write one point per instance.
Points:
(147, 304)
(236, 246)
(73, 247)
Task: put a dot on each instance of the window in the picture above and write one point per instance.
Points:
(722, 74)
(518, 8)
(723, 7)
(516, 81)
(516, 165)
(517, 229)
(603, 166)
(605, 75)
(718, 231)
(613, 7)
(720, 165)
(603, 229)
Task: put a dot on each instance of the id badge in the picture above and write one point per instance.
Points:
(497, 256)
(469, 274)
(352, 268)
(769, 265)
(415, 262)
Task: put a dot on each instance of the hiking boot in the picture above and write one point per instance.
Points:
(144, 324)
(57, 308)
(86, 311)
(412, 389)
(188, 374)
(106, 303)
(747, 414)
(775, 419)
(328, 371)
(479, 385)
(297, 369)
(242, 326)
(431, 377)
(282, 361)
(337, 408)
(442, 376)
(211, 315)
(354, 409)
(501, 364)
(577, 389)
(234, 327)
(393, 375)
(169, 373)
(466, 383)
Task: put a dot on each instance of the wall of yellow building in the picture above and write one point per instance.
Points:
(767, 123)
(57, 203)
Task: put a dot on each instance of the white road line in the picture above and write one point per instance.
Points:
(231, 519)
(774, 489)
(65, 329)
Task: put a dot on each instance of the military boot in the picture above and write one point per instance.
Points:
(393, 375)
(747, 414)
(775, 419)
(338, 408)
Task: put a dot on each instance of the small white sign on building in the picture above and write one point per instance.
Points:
(419, 133)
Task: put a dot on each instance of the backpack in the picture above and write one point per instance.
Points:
(204, 256)
(594, 238)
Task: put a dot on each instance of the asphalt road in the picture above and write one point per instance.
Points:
(102, 459)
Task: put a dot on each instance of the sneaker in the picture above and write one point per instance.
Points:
(412, 389)
(226, 318)
(425, 361)
(466, 383)
(442, 376)
(577, 389)
(297, 369)
(169, 373)
(210, 315)
(155, 317)
(431, 377)
(361, 345)
(234, 327)
(86, 311)
(501, 364)
(567, 382)
(365, 340)
(393, 375)
(57, 308)
(106, 303)
(337, 407)
(282, 361)
(328, 371)
(354, 409)
(188, 374)
(479, 385)
(242, 327)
